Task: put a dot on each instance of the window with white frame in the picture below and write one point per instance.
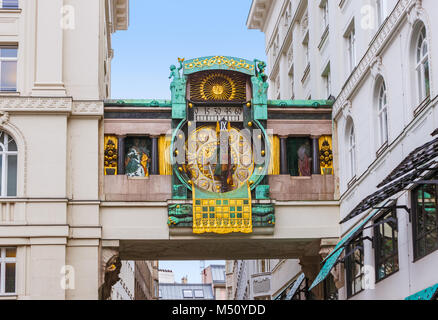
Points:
(326, 75)
(8, 165)
(325, 15)
(383, 114)
(381, 12)
(8, 68)
(8, 261)
(351, 48)
(352, 152)
(422, 65)
(9, 4)
(187, 293)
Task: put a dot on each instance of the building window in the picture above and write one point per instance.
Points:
(199, 294)
(422, 65)
(330, 290)
(8, 164)
(325, 15)
(7, 270)
(381, 12)
(138, 156)
(187, 294)
(383, 114)
(386, 244)
(351, 49)
(425, 219)
(299, 157)
(9, 4)
(326, 75)
(8, 68)
(352, 152)
(355, 266)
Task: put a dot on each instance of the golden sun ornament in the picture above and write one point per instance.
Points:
(217, 86)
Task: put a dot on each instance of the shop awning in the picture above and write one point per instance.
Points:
(418, 163)
(331, 260)
(295, 287)
(427, 294)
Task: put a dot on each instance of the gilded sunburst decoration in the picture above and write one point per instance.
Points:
(218, 86)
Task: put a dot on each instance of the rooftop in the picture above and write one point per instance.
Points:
(181, 291)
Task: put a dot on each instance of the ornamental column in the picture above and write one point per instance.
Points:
(121, 155)
(283, 156)
(154, 166)
(316, 168)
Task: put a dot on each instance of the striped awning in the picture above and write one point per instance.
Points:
(426, 294)
(331, 260)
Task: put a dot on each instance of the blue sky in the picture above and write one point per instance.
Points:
(159, 33)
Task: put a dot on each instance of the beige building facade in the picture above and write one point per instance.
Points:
(52, 99)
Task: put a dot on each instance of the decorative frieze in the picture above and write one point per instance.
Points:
(50, 104)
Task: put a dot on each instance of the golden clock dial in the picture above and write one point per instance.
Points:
(202, 152)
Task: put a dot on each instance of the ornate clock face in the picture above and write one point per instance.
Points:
(203, 165)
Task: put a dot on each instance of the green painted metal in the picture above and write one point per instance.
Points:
(260, 92)
(178, 91)
(262, 192)
(258, 175)
(181, 216)
(300, 103)
(139, 103)
(219, 63)
(332, 258)
(427, 294)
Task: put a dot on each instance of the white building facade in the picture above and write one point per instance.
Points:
(124, 289)
(55, 63)
(376, 58)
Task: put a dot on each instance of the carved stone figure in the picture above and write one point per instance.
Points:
(112, 271)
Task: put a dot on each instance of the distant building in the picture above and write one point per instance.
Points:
(184, 291)
(215, 275)
(124, 289)
(146, 280)
(166, 276)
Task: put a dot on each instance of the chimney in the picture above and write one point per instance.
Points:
(184, 280)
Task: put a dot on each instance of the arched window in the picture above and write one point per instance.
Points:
(352, 152)
(422, 65)
(8, 165)
(383, 114)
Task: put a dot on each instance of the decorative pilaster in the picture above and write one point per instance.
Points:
(121, 155)
(154, 167)
(49, 49)
(315, 156)
(283, 156)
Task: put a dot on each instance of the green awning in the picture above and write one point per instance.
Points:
(427, 294)
(332, 258)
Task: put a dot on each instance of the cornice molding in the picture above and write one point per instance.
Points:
(51, 104)
(92, 108)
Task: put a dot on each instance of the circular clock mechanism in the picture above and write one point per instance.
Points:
(215, 170)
